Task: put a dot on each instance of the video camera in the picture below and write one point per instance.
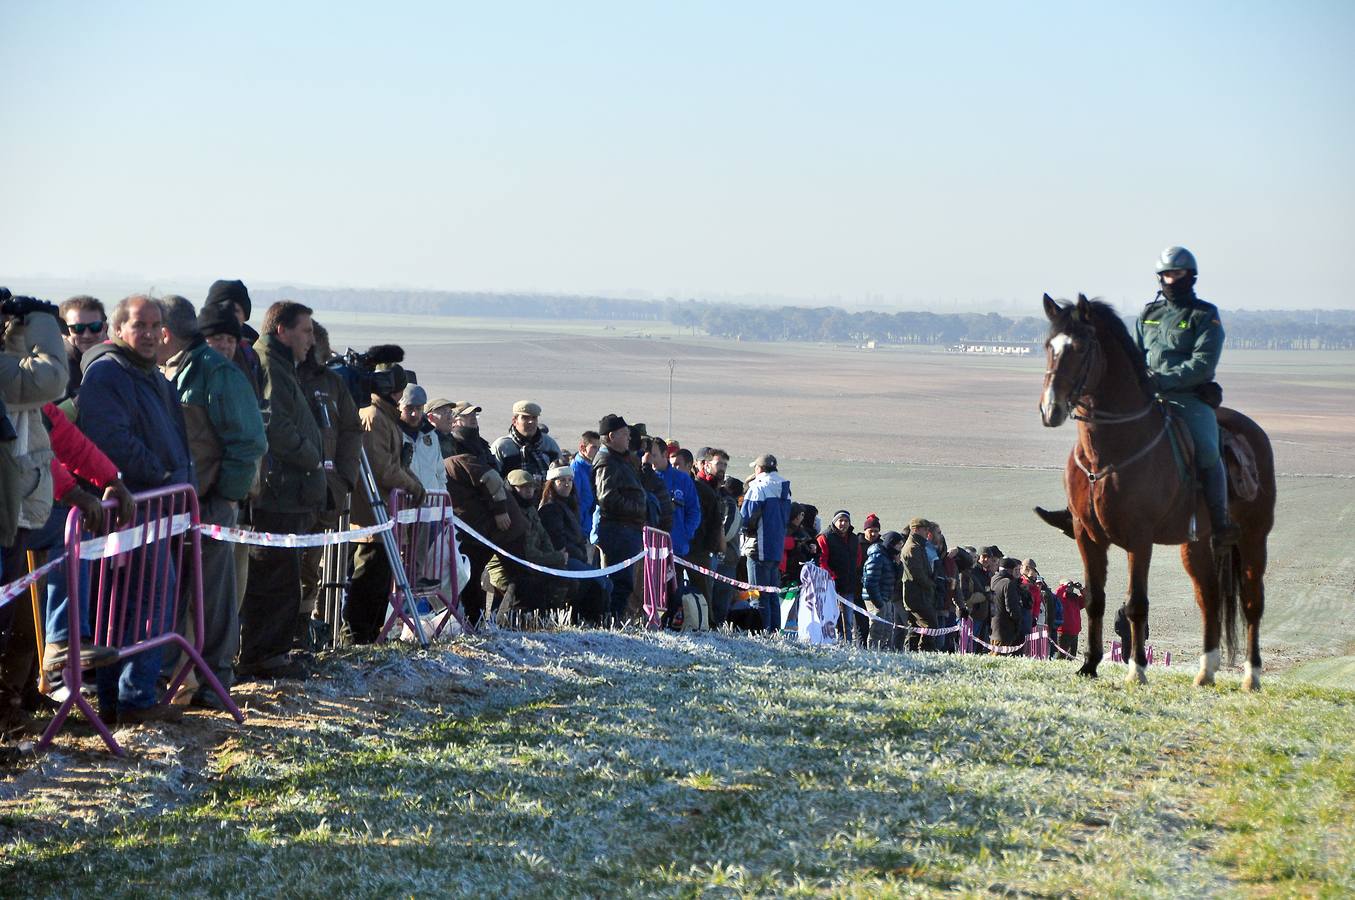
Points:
(18, 307)
(359, 371)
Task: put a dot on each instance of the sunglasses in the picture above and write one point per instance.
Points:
(91, 327)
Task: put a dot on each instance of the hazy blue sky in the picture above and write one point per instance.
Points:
(890, 153)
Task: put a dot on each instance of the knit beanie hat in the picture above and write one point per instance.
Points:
(234, 291)
(218, 319)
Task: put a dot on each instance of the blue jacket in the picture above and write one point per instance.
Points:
(583, 489)
(880, 575)
(686, 508)
(132, 414)
(765, 512)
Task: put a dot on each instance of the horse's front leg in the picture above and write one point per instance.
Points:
(1136, 610)
(1094, 580)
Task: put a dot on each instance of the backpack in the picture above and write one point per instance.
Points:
(694, 615)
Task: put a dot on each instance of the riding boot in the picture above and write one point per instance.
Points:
(1215, 481)
(1062, 519)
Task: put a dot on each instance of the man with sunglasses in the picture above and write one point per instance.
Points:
(86, 325)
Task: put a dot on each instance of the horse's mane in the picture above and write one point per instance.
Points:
(1106, 319)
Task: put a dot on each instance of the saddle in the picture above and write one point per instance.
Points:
(1243, 481)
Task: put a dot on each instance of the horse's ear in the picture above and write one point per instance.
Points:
(1084, 308)
(1051, 308)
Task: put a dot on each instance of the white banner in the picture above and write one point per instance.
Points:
(819, 608)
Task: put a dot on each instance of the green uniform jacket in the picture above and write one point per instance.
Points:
(294, 474)
(1181, 344)
(221, 416)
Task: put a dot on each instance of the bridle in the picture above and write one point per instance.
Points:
(1078, 401)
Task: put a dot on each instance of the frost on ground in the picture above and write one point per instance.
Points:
(585, 763)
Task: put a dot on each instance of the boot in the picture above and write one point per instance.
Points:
(1062, 519)
(1215, 481)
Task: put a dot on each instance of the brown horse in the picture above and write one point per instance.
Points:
(1125, 488)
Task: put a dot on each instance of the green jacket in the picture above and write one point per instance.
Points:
(1181, 344)
(294, 474)
(221, 416)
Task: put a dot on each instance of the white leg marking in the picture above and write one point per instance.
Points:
(1137, 674)
(1251, 677)
(1209, 664)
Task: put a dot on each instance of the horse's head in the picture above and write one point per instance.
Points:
(1073, 358)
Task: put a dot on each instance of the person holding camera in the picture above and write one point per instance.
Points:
(370, 585)
(32, 373)
(1070, 595)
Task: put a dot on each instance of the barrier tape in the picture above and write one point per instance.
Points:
(15, 588)
(933, 632)
(424, 514)
(274, 539)
(558, 573)
(127, 539)
(1001, 648)
(741, 585)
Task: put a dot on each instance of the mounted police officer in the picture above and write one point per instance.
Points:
(1182, 339)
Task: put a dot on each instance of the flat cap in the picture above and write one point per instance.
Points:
(526, 408)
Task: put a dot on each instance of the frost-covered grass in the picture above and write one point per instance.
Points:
(593, 764)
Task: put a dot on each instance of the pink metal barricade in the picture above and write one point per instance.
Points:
(658, 565)
(428, 551)
(139, 575)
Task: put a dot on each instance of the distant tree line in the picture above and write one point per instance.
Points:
(1252, 329)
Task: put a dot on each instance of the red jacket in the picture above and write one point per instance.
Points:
(76, 455)
(1073, 604)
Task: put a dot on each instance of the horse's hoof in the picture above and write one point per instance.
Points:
(1204, 679)
(1087, 671)
(1136, 675)
(1251, 679)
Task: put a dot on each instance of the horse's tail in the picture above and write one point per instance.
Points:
(1229, 567)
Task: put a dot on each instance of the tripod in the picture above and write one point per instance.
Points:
(404, 603)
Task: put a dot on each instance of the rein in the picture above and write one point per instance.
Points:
(1103, 472)
(1097, 417)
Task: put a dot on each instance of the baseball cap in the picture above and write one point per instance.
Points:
(413, 396)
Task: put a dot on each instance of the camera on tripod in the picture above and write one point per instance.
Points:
(377, 371)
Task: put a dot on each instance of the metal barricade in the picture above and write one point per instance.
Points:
(427, 544)
(658, 565)
(142, 576)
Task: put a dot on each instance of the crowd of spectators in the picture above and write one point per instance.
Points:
(272, 428)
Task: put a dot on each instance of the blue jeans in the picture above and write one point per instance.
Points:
(131, 683)
(619, 542)
(768, 573)
(52, 538)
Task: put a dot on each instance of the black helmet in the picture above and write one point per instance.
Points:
(1177, 258)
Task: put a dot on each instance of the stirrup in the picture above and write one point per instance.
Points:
(1225, 536)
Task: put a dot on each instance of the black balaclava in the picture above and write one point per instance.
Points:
(1182, 292)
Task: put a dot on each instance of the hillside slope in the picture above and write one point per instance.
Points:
(597, 764)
